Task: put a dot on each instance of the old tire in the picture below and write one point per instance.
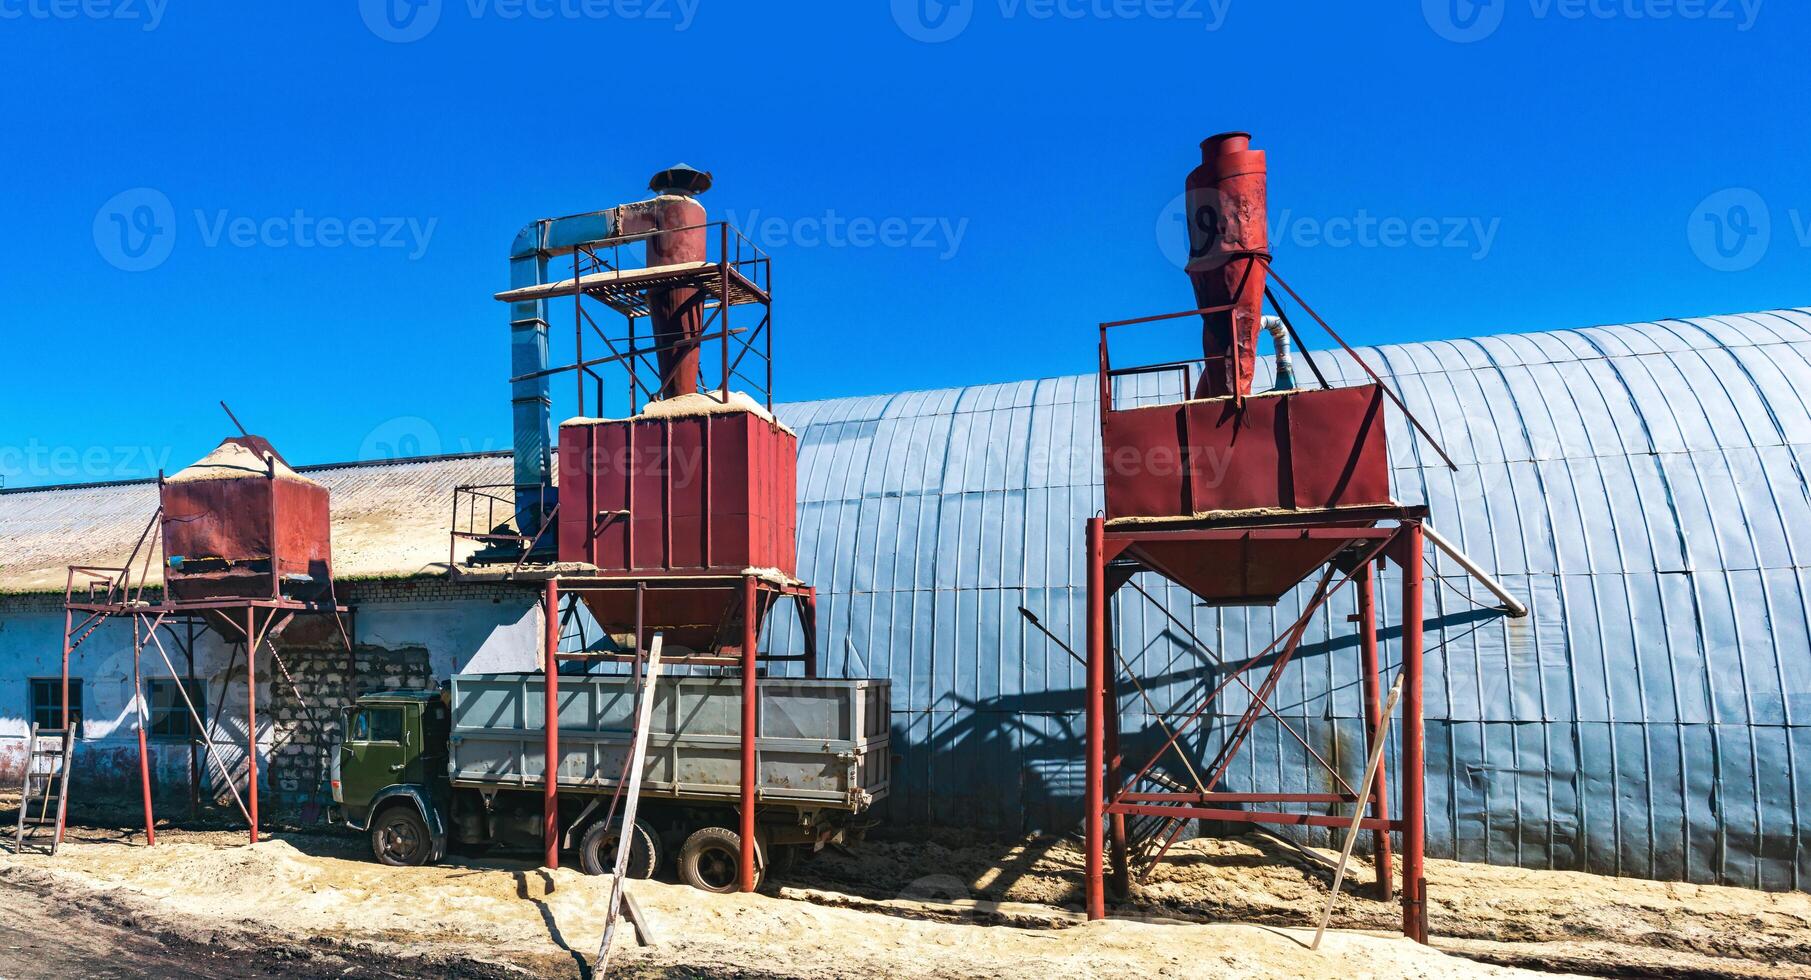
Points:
(400, 838)
(711, 860)
(782, 858)
(597, 849)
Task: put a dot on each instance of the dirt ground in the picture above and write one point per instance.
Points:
(313, 904)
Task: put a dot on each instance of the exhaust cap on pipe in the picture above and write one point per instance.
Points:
(681, 178)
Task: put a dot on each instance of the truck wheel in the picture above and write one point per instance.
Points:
(597, 849)
(400, 838)
(712, 860)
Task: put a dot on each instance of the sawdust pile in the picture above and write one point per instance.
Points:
(547, 921)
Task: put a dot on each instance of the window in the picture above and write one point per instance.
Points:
(377, 725)
(47, 703)
(170, 713)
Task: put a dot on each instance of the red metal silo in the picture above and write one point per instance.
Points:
(1228, 231)
(691, 486)
(239, 523)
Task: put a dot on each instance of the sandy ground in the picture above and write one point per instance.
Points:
(315, 892)
(897, 909)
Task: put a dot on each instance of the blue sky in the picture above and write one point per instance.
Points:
(333, 186)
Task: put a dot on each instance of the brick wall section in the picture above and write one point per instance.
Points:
(301, 739)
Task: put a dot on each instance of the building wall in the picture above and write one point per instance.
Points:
(409, 633)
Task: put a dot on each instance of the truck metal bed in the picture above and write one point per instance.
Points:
(819, 742)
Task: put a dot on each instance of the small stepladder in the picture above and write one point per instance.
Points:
(46, 770)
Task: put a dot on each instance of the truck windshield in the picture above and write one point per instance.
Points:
(377, 725)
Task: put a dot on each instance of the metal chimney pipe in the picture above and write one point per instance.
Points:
(1279, 338)
(677, 315)
(1228, 233)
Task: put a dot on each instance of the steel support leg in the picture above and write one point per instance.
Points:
(1096, 761)
(144, 760)
(1414, 821)
(1370, 666)
(750, 634)
(550, 723)
(251, 718)
(1116, 824)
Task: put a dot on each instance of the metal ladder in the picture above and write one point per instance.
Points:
(46, 768)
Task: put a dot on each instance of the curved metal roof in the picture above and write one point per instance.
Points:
(1642, 486)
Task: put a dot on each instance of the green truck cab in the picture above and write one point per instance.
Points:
(425, 771)
(390, 774)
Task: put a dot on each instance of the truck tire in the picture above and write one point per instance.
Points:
(597, 849)
(400, 838)
(711, 860)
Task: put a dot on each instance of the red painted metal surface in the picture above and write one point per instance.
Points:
(751, 632)
(676, 315)
(1371, 669)
(1302, 450)
(550, 714)
(674, 496)
(1227, 219)
(1096, 706)
(246, 532)
(1414, 765)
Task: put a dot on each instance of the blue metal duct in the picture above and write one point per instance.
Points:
(531, 400)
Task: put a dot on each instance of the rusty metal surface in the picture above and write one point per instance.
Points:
(246, 534)
(1228, 230)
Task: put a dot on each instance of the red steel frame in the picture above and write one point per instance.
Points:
(1358, 542)
(101, 594)
(756, 597)
(740, 275)
(1111, 794)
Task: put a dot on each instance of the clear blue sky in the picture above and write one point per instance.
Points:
(1574, 145)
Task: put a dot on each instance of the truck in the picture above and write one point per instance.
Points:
(424, 771)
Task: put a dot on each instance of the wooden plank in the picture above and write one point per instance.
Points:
(644, 719)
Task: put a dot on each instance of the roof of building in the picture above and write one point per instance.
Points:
(1532, 419)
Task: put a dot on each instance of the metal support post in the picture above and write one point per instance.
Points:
(750, 634)
(1096, 758)
(1378, 791)
(1414, 820)
(550, 723)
